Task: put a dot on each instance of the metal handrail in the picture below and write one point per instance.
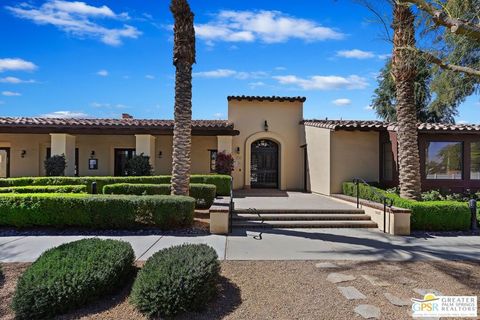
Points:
(387, 202)
(231, 206)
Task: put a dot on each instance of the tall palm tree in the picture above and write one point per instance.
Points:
(404, 72)
(183, 59)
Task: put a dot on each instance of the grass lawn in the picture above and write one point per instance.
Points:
(293, 289)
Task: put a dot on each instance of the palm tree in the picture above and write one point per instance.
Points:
(183, 59)
(404, 73)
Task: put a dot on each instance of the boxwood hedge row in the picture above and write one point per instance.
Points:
(204, 194)
(176, 279)
(222, 182)
(45, 189)
(70, 276)
(426, 215)
(95, 211)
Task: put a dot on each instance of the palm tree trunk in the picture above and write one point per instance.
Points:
(182, 131)
(404, 72)
(183, 59)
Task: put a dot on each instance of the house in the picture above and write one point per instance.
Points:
(273, 147)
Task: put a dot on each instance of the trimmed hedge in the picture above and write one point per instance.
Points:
(45, 189)
(426, 215)
(177, 279)
(70, 276)
(222, 182)
(204, 194)
(95, 211)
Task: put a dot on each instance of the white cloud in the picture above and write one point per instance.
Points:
(384, 56)
(109, 105)
(355, 54)
(102, 73)
(228, 73)
(218, 116)
(265, 26)
(280, 68)
(64, 114)
(16, 64)
(78, 19)
(11, 94)
(13, 80)
(150, 77)
(342, 102)
(368, 108)
(256, 84)
(324, 82)
(462, 122)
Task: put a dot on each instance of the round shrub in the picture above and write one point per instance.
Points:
(177, 279)
(70, 276)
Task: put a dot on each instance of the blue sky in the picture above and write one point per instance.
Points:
(104, 58)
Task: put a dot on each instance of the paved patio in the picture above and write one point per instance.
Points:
(275, 199)
(278, 244)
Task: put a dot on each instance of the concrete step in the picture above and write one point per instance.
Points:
(299, 216)
(299, 211)
(304, 224)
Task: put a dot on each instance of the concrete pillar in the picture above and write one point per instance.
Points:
(224, 144)
(62, 143)
(145, 143)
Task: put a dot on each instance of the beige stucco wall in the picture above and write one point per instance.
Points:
(318, 161)
(354, 154)
(283, 120)
(36, 145)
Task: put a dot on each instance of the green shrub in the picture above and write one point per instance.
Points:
(95, 211)
(70, 276)
(222, 182)
(175, 280)
(426, 215)
(139, 166)
(45, 189)
(204, 194)
(55, 165)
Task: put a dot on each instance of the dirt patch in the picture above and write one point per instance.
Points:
(293, 290)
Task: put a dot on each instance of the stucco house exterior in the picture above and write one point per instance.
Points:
(272, 144)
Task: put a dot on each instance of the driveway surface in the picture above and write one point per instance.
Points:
(278, 244)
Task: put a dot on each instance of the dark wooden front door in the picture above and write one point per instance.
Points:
(264, 164)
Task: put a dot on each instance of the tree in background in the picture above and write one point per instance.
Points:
(183, 59)
(138, 165)
(55, 165)
(224, 163)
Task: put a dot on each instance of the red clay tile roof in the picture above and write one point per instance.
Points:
(121, 126)
(267, 98)
(390, 126)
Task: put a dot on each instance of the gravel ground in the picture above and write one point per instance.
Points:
(294, 290)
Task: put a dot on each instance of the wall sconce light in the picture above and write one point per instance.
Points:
(92, 154)
(266, 125)
(160, 154)
(238, 150)
(24, 152)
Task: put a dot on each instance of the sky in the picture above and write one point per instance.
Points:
(99, 58)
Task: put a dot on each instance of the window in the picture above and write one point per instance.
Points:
(213, 159)
(475, 161)
(121, 158)
(387, 161)
(444, 160)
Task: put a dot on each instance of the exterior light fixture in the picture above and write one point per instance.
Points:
(266, 125)
(238, 150)
(92, 154)
(24, 152)
(160, 154)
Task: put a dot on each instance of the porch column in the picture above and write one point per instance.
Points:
(224, 144)
(62, 143)
(145, 143)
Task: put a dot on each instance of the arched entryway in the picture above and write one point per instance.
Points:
(264, 164)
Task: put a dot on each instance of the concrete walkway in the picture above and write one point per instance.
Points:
(278, 244)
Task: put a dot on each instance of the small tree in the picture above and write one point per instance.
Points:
(138, 165)
(224, 163)
(55, 165)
